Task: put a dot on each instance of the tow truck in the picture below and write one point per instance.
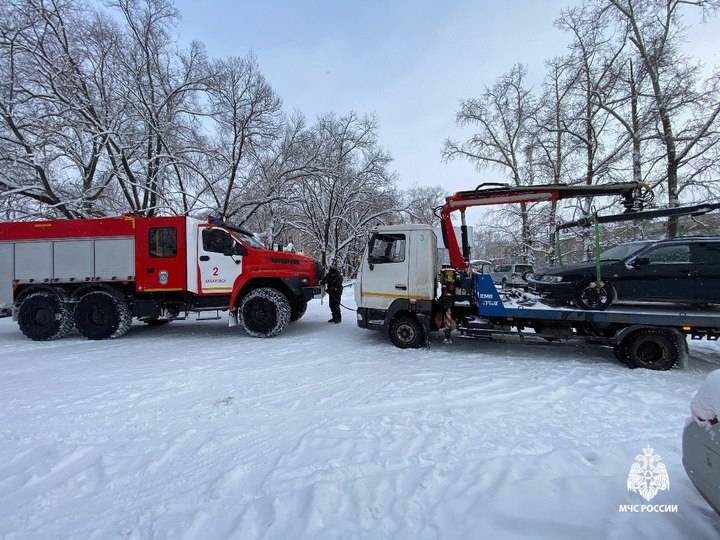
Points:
(400, 283)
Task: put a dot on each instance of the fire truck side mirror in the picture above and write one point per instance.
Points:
(235, 249)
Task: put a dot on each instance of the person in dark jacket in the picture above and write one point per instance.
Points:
(334, 286)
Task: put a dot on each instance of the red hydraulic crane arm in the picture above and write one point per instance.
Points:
(494, 194)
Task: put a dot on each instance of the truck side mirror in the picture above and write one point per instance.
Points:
(235, 249)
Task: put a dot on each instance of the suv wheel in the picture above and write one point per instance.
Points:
(264, 312)
(590, 296)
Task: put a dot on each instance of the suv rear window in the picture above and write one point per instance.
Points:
(707, 253)
(522, 268)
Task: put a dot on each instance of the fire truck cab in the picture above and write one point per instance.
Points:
(98, 274)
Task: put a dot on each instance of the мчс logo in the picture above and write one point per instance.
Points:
(648, 475)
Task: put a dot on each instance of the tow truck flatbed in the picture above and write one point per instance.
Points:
(490, 305)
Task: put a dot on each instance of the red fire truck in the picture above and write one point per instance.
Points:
(96, 275)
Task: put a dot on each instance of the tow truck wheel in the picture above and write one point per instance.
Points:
(589, 296)
(406, 332)
(264, 312)
(297, 310)
(620, 353)
(102, 315)
(651, 349)
(44, 316)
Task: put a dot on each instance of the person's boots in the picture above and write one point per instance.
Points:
(332, 320)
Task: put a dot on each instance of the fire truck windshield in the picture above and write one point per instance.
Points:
(249, 239)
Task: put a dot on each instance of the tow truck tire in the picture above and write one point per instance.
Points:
(102, 315)
(651, 349)
(406, 332)
(264, 312)
(591, 299)
(44, 316)
(297, 310)
(620, 353)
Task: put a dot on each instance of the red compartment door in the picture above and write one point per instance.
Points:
(160, 254)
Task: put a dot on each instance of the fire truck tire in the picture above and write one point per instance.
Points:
(102, 315)
(297, 310)
(264, 312)
(44, 316)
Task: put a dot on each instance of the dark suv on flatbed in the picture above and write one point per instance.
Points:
(683, 270)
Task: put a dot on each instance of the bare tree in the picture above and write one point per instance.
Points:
(46, 139)
(92, 106)
(656, 31)
(247, 113)
(351, 190)
(556, 149)
(418, 203)
(503, 117)
(594, 51)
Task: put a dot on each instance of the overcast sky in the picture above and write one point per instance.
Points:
(407, 62)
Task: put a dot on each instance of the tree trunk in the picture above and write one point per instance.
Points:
(526, 235)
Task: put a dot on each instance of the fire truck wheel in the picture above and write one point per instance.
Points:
(102, 315)
(406, 332)
(44, 316)
(297, 310)
(264, 312)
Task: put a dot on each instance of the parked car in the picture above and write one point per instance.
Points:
(481, 266)
(5, 312)
(512, 275)
(683, 270)
(701, 441)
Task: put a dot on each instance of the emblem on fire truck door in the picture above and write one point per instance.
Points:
(164, 277)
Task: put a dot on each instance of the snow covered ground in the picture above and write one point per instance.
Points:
(197, 431)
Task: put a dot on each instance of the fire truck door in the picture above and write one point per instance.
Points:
(220, 260)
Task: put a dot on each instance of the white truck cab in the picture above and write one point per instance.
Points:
(397, 282)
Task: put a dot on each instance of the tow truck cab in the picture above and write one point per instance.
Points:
(398, 276)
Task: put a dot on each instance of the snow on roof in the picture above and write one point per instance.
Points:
(705, 406)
